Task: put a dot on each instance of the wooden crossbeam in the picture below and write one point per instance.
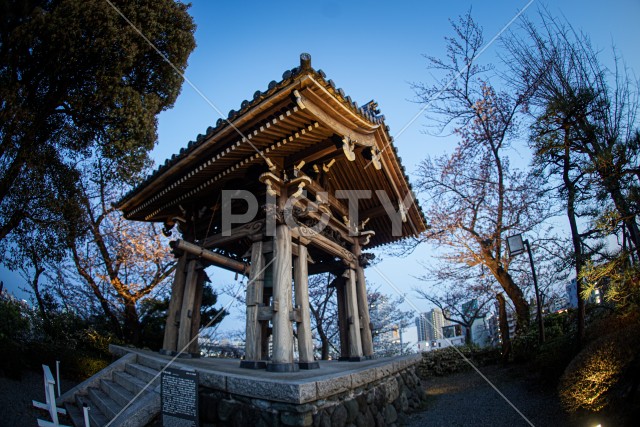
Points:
(212, 257)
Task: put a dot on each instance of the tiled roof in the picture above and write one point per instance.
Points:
(368, 112)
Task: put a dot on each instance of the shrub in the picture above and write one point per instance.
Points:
(448, 361)
(14, 332)
(552, 358)
(597, 374)
(525, 345)
(14, 323)
(82, 366)
(602, 321)
(28, 341)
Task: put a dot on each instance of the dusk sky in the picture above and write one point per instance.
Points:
(373, 50)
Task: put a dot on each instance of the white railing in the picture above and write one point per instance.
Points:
(50, 401)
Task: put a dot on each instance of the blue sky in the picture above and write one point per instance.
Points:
(372, 49)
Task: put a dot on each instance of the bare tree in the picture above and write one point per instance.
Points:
(388, 321)
(120, 261)
(324, 313)
(474, 198)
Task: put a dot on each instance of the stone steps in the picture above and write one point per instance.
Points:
(96, 418)
(112, 390)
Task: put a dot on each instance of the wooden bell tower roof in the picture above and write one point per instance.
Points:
(302, 117)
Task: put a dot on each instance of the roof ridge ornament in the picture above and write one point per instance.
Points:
(305, 61)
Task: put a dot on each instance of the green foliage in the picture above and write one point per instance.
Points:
(79, 83)
(14, 331)
(208, 312)
(559, 331)
(552, 357)
(153, 316)
(617, 277)
(14, 323)
(82, 366)
(525, 344)
(597, 377)
(28, 341)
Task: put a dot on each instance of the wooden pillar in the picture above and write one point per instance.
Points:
(343, 318)
(170, 342)
(301, 281)
(194, 347)
(264, 326)
(254, 298)
(282, 355)
(355, 343)
(363, 307)
(184, 330)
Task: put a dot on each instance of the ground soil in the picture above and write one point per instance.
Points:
(468, 399)
(16, 396)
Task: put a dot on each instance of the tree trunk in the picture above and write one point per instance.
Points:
(517, 297)
(575, 235)
(612, 185)
(11, 223)
(35, 286)
(325, 348)
(504, 328)
(131, 322)
(324, 340)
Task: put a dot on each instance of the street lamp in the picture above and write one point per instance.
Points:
(516, 246)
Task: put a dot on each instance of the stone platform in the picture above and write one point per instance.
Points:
(371, 392)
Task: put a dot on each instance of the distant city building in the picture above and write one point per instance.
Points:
(453, 331)
(511, 321)
(437, 323)
(481, 331)
(422, 325)
(558, 304)
(435, 332)
(572, 295)
(430, 325)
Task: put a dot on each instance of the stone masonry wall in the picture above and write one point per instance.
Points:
(384, 402)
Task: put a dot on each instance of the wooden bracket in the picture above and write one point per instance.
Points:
(301, 182)
(298, 99)
(373, 154)
(295, 315)
(365, 237)
(272, 182)
(348, 146)
(265, 312)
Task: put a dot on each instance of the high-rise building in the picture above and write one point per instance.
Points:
(430, 325)
(423, 327)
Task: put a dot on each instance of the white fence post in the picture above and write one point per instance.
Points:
(58, 376)
(50, 401)
(85, 411)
